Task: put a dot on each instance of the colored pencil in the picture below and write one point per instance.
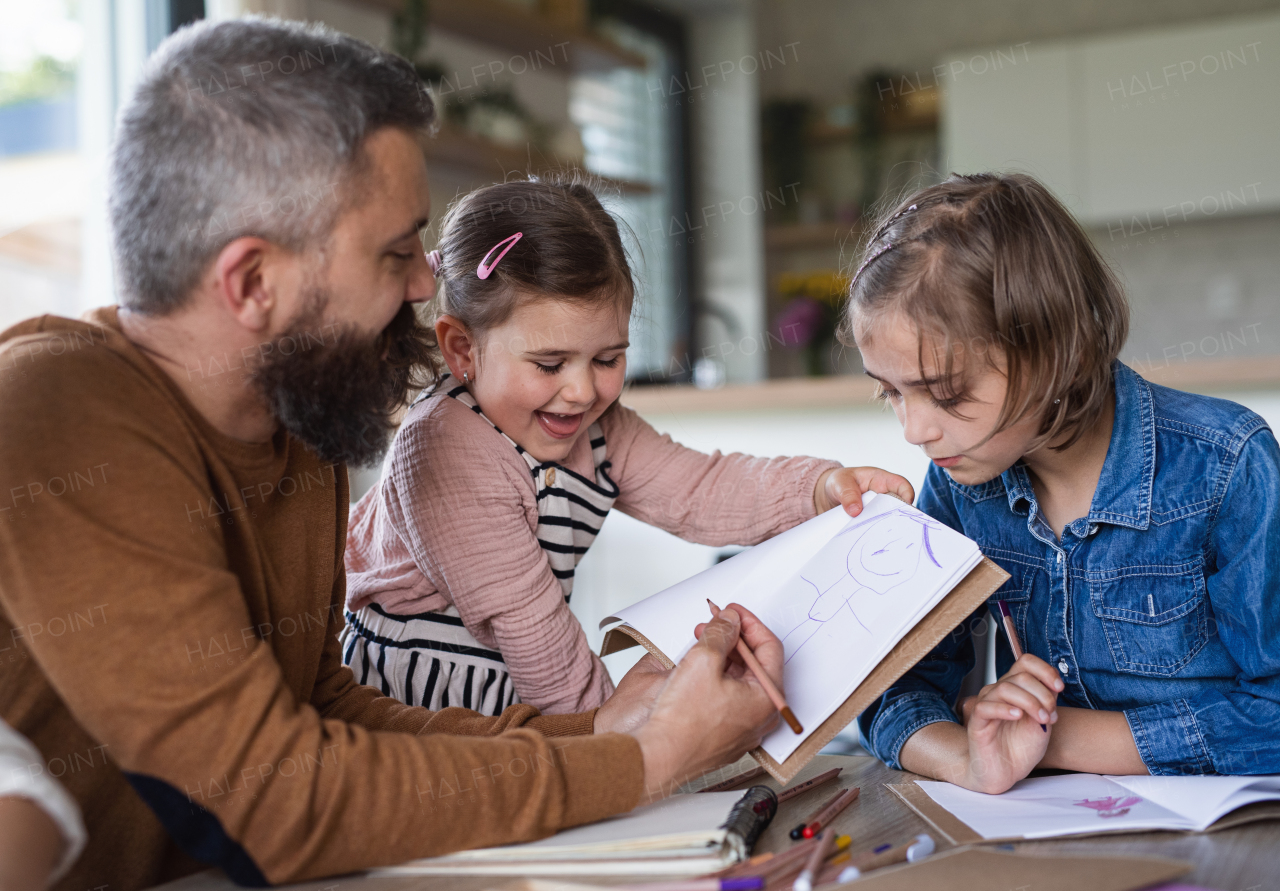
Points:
(812, 866)
(786, 867)
(918, 848)
(830, 812)
(1006, 618)
(820, 780)
(758, 670)
(798, 832)
(733, 781)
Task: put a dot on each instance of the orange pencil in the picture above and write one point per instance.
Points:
(758, 670)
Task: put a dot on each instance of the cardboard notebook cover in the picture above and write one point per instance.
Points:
(960, 833)
(976, 869)
(950, 612)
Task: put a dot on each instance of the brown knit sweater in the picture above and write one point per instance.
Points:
(169, 604)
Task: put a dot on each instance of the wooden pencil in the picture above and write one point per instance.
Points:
(820, 780)
(758, 670)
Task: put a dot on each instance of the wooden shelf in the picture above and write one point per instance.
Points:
(1246, 373)
(459, 149)
(523, 33)
(855, 391)
(837, 391)
(810, 235)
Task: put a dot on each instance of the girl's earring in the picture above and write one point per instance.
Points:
(466, 378)
(1056, 401)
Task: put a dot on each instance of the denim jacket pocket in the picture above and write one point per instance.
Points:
(1155, 617)
(1016, 590)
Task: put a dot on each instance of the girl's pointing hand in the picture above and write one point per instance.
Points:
(846, 485)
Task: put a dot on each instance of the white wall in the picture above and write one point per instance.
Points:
(1167, 125)
(838, 39)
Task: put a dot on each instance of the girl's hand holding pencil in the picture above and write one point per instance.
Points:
(1008, 724)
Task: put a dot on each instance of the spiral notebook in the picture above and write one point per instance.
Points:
(856, 601)
(684, 835)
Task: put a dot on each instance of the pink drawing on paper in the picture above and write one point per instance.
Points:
(883, 553)
(1111, 806)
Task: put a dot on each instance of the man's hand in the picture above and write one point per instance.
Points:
(711, 710)
(632, 702)
(845, 486)
(1006, 739)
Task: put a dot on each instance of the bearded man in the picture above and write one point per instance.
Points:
(173, 525)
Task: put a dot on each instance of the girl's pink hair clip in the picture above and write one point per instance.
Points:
(434, 260)
(483, 271)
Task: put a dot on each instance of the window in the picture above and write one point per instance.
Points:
(635, 138)
(64, 67)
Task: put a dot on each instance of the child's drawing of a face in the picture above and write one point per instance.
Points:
(888, 551)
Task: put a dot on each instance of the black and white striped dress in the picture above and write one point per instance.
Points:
(431, 659)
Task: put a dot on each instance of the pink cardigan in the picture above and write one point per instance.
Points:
(453, 520)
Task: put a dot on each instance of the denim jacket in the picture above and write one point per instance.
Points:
(1163, 602)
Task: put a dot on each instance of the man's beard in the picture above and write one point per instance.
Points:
(336, 390)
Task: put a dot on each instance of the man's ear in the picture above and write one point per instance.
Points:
(244, 282)
(457, 345)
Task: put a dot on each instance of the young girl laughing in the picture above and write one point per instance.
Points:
(460, 562)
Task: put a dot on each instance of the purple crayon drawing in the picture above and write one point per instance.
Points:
(884, 552)
(1111, 806)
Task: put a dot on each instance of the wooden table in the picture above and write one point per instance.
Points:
(1243, 859)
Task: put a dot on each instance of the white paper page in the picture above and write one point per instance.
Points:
(851, 603)
(1203, 799)
(668, 617)
(840, 592)
(1051, 806)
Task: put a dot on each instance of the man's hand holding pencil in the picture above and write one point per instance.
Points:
(712, 709)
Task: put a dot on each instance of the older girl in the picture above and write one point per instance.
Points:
(1140, 525)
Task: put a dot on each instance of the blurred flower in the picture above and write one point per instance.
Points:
(800, 321)
(826, 285)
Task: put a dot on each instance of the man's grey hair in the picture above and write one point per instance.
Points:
(245, 127)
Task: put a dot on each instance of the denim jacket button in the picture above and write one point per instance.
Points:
(1063, 666)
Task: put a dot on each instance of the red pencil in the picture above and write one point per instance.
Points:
(830, 812)
(800, 788)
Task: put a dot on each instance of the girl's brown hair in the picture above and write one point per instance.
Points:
(570, 249)
(992, 264)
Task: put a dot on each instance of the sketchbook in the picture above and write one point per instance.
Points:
(856, 601)
(1088, 804)
(684, 835)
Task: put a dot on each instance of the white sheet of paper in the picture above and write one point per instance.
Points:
(851, 603)
(839, 591)
(1051, 806)
(1085, 802)
(1203, 799)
